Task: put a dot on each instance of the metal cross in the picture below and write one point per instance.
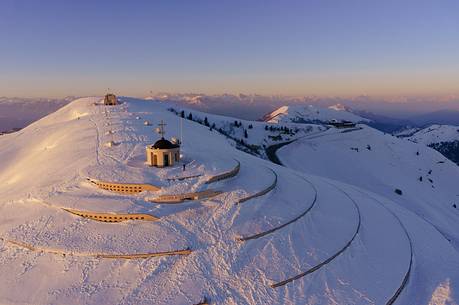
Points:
(161, 130)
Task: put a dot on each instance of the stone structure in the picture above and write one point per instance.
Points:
(110, 217)
(110, 99)
(179, 198)
(124, 188)
(343, 124)
(163, 152)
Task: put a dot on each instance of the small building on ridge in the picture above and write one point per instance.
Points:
(110, 99)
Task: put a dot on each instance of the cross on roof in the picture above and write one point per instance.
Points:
(161, 129)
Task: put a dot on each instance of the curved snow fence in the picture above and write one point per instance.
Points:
(225, 175)
(124, 188)
(404, 282)
(179, 198)
(98, 255)
(408, 271)
(181, 178)
(262, 234)
(111, 217)
(263, 192)
(328, 260)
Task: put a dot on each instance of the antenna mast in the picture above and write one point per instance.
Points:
(181, 130)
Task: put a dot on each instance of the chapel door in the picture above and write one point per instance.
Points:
(166, 160)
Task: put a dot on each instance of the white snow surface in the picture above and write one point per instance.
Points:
(380, 163)
(436, 134)
(258, 133)
(44, 168)
(312, 113)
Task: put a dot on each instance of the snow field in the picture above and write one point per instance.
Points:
(372, 266)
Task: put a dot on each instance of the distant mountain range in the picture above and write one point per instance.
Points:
(16, 113)
(384, 123)
(442, 117)
(390, 117)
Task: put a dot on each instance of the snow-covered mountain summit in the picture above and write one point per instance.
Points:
(312, 114)
(444, 138)
(436, 134)
(78, 223)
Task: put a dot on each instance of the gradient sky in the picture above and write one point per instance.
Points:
(321, 47)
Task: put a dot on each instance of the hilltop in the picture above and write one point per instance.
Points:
(271, 235)
(312, 114)
(443, 138)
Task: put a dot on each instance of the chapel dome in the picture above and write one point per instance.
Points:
(164, 144)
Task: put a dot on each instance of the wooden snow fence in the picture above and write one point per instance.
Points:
(262, 192)
(179, 198)
(331, 258)
(111, 217)
(124, 188)
(225, 175)
(279, 227)
(97, 255)
(181, 178)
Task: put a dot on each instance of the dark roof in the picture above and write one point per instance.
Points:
(164, 144)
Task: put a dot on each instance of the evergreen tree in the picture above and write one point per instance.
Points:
(182, 114)
(190, 117)
(246, 135)
(206, 122)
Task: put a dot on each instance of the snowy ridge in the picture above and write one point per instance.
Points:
(436, 134)
(312, 114)
(16, 113)
(323, 240)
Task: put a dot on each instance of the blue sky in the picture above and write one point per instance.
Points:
(320, 47)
